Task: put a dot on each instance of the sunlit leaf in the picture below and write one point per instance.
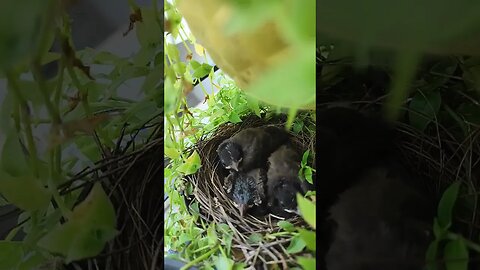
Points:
(287, 226)
(191, 165)
(212, 235)
(297, 244)
(307, 210)
(309, 238)
(307, 263)
(224, 263)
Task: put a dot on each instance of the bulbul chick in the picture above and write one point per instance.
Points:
(283, 182)
(250, 147)
(381, 223)
(246, 189)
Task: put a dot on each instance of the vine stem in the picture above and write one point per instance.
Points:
(200, 258)
(25, 118)
(470, 244)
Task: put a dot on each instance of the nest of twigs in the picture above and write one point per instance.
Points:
(214, 205)
(131, 175)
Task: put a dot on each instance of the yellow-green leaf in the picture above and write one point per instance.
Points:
(307, 210)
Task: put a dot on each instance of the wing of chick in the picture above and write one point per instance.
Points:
(259, 175)
(377, 226)
(257, 144)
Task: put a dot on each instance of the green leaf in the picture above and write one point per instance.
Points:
(253, 105)
(85, 234)
(305, 158)
(446, 204)
(14, 161)
(287, 226)
(148, 31)
(424, 108)
(456, 255)
(308, 174)
(191, 165)
(20, 40)
(255, 238)
(25, 192)
(309, 238)
(11, 254)
(307, 210)
(234, 118)
(212, 235)
(297, 75)
(307, 263)
(172, 152)
(202, 71)
(223, 263)
(296, 245)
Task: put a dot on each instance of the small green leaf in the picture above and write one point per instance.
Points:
(296, 245)
(14, 161)
(308, 174)
(85, 234)
(255, 238)
(11, 254)
(307, 263)
(285, 225)
(305, 158)
(191, 165)
(25, 192)
(202, 71)
(212, 235)
(224, 263)
(424, 107)
(456, 255)
(239, 266)
(307, 210)
(172, 152)
(446, 204)
(234, 118)
(309, 237)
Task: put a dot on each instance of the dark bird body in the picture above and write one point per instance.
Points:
(283, 181)
(250, 147)
(246, 189)
(380, 223)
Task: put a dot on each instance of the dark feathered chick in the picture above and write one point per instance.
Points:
(283, 181)
(250, 147)
(379, 223)
(246, 189)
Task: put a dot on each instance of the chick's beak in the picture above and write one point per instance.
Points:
(242, 208)
(234, 166)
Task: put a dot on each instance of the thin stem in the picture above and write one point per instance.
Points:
(25, 117)
(200, 258)
(66, 212)
(52, 111)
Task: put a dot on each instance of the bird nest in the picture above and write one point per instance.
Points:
(215, 206)
(131, 175)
